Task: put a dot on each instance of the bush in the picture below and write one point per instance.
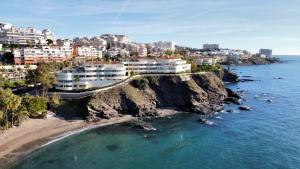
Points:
(141, 84)
(36, 106)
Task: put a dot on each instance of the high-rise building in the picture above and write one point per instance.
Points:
(211, 47)
(164, 45)
(266, 52)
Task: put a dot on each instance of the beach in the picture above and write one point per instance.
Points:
(17, 142)
(34, 133)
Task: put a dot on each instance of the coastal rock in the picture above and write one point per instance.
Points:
(246, 108)
(207, 122)
(202, 93)
(143, 125)
(228, 76)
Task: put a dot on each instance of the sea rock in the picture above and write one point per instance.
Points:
(246, 108)
(207, 122)
(143, 125)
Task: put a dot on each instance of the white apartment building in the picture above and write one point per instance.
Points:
(159, 66)
(10, 34)
(29, 56)
(90, 76)
(89, 52)
(206, 61)
(164, 46)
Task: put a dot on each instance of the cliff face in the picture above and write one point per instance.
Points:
(202, 94)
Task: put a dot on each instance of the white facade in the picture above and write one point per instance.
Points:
(90, 76)
(164, 45)
(89, 52)
(10, 34)
(159, 66)
(266, 52)
(206, 61)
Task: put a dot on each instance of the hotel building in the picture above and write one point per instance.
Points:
(90, 76)
(101, 75)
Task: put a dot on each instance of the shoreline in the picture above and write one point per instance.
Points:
(33, 134)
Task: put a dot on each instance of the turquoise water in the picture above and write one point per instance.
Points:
(267, 137)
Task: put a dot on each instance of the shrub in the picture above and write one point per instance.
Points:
(141, 84)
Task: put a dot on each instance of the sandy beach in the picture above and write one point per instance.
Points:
(34, 133)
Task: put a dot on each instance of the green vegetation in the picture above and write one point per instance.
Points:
(207, 68)
(152, 80)
(7, 58)
(141, 84)
(49, 41)
(5, 83)
(43, 75)
(14, 109)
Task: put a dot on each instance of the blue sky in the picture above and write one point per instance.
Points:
(243, 24)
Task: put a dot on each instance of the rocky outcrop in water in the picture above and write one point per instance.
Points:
(255, 60)
(203, 94)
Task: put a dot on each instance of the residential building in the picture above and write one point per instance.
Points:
(160, 65)
(206, 61)
(16, 72)
(88, 52)
(122, 38)
(266, 52)
(49, 35)
(164, 45)
(29, 56)
(88, 76)
(142, 51)
(210, 47)
(12, 35)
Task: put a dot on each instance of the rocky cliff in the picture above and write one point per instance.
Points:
(203, 94)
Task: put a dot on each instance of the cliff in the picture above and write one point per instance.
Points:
(201, 93)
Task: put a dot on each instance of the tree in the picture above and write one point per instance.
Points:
(8, 58)
(43, 76)
(55, 101)
(9, 103)
(49, 41)
(36, 106)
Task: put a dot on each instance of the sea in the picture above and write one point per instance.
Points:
(267, 137)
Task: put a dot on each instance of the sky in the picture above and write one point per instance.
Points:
(240, 24)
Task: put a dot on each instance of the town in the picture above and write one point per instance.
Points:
(102, 60)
